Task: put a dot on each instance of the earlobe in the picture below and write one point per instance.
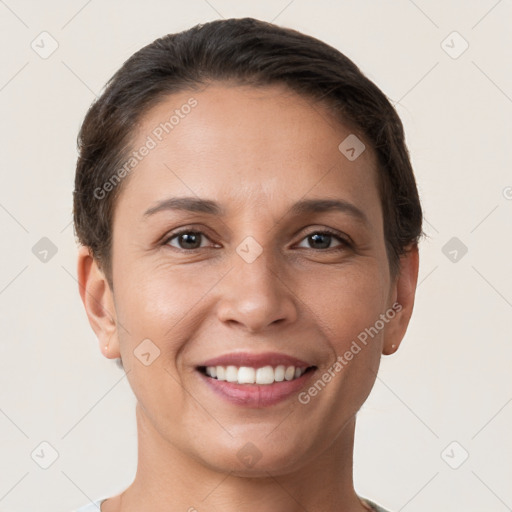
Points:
(404, 291)
(98, 301)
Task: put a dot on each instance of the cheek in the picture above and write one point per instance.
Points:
(347, 303)
(154, 312)
(161, 304)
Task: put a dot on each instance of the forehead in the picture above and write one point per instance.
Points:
(247, 144)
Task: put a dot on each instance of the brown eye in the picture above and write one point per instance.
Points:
(187, 240)
(323, 239)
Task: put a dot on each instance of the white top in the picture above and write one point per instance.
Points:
(91, 507)
(95, 506)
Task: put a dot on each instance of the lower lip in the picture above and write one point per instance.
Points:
(257, 395)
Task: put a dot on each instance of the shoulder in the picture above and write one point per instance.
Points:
(95, 506)
(91, 507)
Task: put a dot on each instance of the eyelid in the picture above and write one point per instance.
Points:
(342, 237)
(311, 229)
(344, 241)
(179, 231)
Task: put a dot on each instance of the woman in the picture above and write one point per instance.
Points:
(249, 225)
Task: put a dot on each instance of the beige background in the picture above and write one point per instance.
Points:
(450, 380)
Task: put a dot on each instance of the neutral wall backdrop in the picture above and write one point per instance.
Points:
(435, 431)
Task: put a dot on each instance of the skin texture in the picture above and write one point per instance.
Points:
(256, 152)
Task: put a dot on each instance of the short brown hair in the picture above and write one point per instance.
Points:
(248, 52)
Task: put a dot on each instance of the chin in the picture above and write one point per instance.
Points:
(253, 459)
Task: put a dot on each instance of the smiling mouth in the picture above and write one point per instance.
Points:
(264, 376)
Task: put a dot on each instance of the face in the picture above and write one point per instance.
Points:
(284, 266)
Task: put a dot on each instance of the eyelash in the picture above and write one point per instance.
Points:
(345, 243)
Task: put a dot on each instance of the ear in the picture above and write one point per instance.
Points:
(98, 300)
(403, 294)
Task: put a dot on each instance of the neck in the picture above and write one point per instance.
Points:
(169, 479)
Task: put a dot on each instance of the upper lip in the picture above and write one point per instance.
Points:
(256, 360)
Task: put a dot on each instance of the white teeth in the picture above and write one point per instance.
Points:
(231, 373)
(247, 375)
(265, 375)
(279, 373)
(289, 373)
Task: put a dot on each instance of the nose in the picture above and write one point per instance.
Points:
(257, 295)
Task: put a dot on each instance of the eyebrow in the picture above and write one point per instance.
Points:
(306, 206)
